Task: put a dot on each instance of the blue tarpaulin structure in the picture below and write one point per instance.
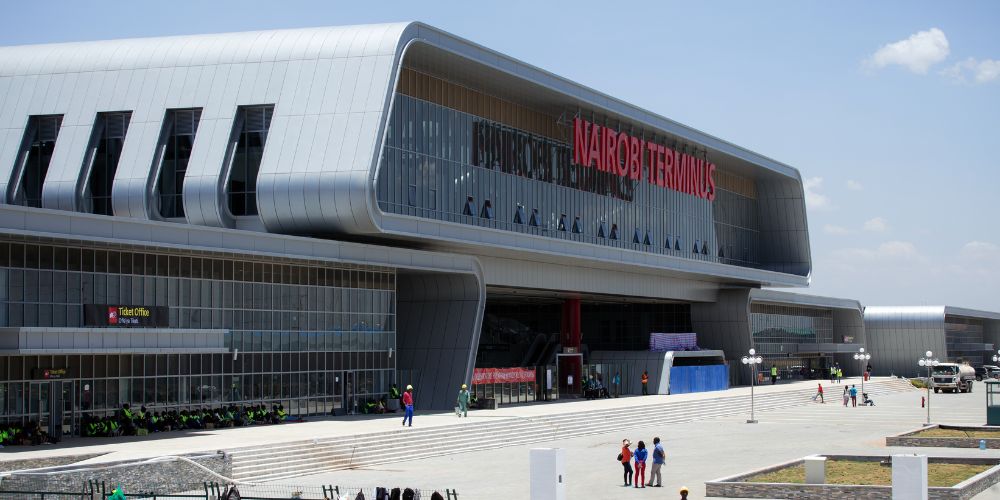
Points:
(704, 378)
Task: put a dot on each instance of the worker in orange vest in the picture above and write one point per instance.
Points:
(645, 383)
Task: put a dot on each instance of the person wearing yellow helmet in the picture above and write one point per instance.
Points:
(463, 401)
(684, 492)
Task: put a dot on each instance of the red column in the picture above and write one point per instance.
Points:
(571, 323)
(570, 338)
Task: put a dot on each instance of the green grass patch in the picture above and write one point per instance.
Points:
(957, 433)
(870, 474)
(920, 384)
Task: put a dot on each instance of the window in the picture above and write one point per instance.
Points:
(250, 135)
(103, 154)
(179, 128)
(33, 161)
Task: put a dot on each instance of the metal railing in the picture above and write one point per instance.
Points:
(101, 490)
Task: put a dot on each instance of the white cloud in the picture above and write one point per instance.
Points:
(981, 71)
(981, 251)
(876, 225)
(854, 185)
(897, 272)
(815, 199)
(917, 53)
(836, 230)
(894, 251)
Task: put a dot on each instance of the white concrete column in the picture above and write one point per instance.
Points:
(909, 477)
(548, 474)
(815, 470)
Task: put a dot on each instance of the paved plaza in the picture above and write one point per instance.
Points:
(697, 451)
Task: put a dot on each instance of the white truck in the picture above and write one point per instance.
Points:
(953, 377)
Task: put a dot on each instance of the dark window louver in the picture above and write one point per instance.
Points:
(519, 215)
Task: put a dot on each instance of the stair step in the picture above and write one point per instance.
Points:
(285, 460)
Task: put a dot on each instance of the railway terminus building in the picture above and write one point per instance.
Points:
(310, 215)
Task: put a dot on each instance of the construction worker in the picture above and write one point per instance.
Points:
(463, 401)
(645, 383)
(774, 374)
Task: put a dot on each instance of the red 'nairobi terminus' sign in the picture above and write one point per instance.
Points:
(625, 155)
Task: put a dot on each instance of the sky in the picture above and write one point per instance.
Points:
(888, 109)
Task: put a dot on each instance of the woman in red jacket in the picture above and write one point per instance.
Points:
(626, 460)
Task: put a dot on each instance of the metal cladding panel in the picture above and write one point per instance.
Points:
(343, 73)
(725, 325)
(899, 336)
(331, 88)
(439, 324)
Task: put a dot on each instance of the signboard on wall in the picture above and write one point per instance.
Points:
(502, 375)
(125, 316)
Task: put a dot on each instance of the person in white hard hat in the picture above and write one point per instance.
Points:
(408, 403)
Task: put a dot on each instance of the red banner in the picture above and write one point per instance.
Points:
(502, 375)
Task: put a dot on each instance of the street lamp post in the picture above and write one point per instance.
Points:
(996, 357)
(863, 358)
(753, 360)
(929, 362)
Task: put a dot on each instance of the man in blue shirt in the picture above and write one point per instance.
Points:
(659, 458)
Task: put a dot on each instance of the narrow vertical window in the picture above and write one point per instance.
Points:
(33, 160)
(177, 140)
(250, 135)
(103, 154)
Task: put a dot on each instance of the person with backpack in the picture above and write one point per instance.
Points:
(640, 464)
(625, 457)
(659, 458)
(408, 403)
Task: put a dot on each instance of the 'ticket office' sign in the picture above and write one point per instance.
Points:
(125, 316)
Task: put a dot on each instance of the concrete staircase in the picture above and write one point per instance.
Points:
(284, 460)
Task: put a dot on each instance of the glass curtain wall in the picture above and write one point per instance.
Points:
(105, 151)
(511, 170)
(780, 332)
(298, 326)
(180, 127)
(39, 144)
(963, 338)
(253, 123)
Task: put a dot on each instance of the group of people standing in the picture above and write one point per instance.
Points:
(637, 477)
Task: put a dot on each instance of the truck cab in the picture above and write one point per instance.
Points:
(953, 377)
